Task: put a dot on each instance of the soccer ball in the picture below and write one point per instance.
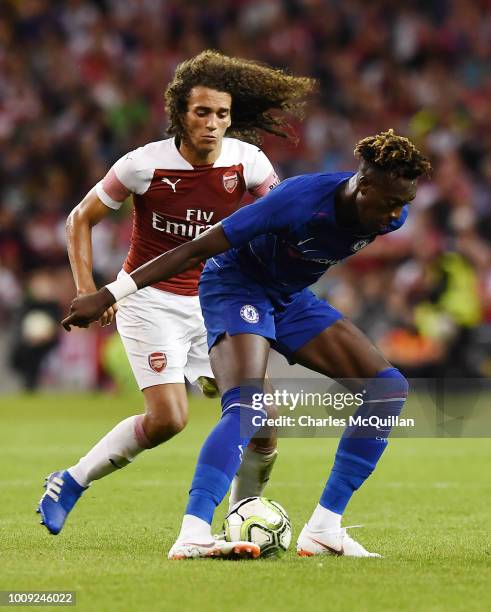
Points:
(261, 521)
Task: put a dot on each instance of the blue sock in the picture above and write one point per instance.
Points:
(221, 453)
(360, 448)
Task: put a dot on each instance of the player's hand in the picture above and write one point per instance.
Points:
(108, 315)
(88, 308)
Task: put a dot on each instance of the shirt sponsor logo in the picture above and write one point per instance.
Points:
(230, 181)
(249, 313)
(157, 361)
(196, 222)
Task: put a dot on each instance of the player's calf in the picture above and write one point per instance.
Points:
(253, 474)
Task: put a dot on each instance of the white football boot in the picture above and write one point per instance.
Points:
(337, 543)
(217, 549)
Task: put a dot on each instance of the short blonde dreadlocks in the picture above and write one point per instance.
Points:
(395, 154)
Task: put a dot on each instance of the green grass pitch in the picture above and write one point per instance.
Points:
(426, 509)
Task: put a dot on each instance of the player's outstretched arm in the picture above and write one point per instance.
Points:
(80, 222)
(88, 308)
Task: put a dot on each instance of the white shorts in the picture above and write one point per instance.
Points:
(164, 336)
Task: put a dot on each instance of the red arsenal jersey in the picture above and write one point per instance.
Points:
(175, 202)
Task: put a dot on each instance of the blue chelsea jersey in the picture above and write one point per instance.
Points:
(290, 237)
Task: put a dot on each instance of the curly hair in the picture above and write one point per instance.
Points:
(395, 154)
(257, 91)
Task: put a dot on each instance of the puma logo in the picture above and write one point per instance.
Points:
(170, 183)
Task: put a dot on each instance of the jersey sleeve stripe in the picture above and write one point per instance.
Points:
(114, 187)
(105, 199)
(265, 187)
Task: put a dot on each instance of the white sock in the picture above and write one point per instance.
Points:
(116, 450)
(195, 531)
(323, 519)
(253, 475)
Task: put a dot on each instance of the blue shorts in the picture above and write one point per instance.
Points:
(234, 303)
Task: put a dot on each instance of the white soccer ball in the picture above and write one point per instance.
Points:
(261, 521)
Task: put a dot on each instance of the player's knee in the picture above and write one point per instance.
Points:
(173, 425)
(400, 382)
(161, 425)
(395, 384)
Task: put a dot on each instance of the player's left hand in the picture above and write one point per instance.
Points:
(108, 315)
(88, 308)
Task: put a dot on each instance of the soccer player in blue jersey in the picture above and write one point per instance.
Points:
(253, 293)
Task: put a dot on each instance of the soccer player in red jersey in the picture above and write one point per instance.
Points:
(180, 187)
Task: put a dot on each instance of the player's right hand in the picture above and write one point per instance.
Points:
(88, 308)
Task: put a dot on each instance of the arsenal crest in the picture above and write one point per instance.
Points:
(157, 361)
(230, 181)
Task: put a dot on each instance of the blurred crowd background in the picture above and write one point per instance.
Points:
(82, 81)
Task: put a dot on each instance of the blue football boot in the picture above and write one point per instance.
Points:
(62, 493)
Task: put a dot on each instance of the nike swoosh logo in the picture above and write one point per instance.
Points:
(338, 553)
